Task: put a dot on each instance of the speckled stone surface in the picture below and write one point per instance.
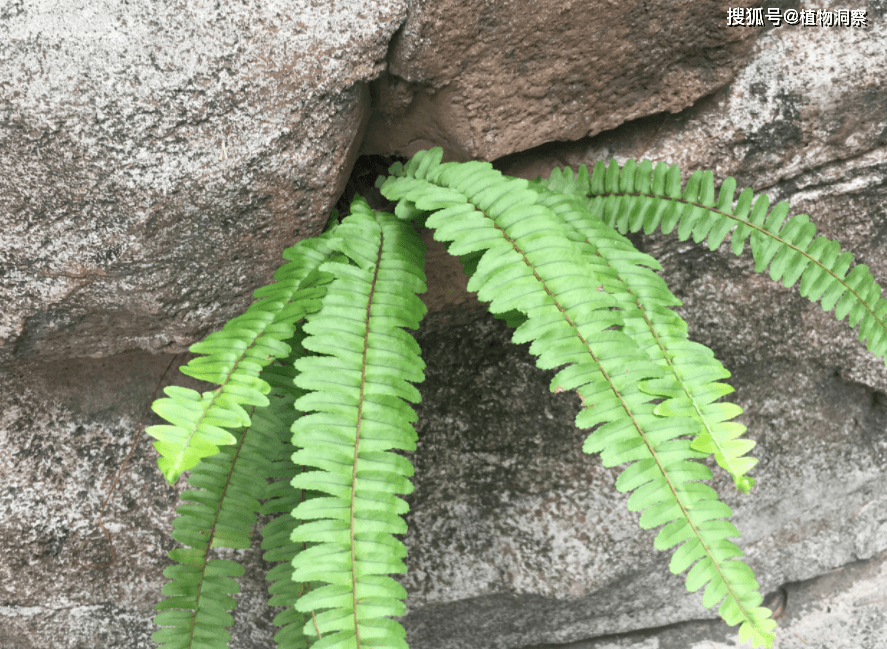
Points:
(157, 157)
(519, 539)
(487, 79)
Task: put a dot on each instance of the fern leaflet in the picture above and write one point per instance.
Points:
(200, 423)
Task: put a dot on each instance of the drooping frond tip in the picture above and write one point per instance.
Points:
(233, 359)
(220, 511)
(356, 414)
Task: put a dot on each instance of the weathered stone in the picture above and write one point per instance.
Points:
(146, 146)
(808, 101)
(488, 80)
(65, 430)
(516, 539)
(843, 608)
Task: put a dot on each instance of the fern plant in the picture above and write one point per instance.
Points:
(315, 381)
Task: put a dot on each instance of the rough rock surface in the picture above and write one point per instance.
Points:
(517, 539)
(843, 608)
(805, 120)
(65, 430)
(145, 145)
(824, 92)
(488, 79)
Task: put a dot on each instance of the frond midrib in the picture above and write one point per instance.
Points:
(668, 356)
(217, 392)
(360, 400)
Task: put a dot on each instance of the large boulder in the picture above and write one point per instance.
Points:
(156, 159)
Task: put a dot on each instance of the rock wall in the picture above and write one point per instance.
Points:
(155, 160)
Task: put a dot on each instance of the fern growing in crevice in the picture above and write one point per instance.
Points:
(538, 267)
(328, 343)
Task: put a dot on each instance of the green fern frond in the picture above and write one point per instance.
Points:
(357, 386)
(639, 196)
(281, 499)
(200, 423)
(220, 512)
(328, 399)
(533, 264)
(689, 386)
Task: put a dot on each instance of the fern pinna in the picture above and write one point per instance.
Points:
(327, 343)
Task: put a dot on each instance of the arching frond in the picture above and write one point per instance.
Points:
(639, 196)
(690, 384)
(233, 358)
(220, 511)
(533, 263)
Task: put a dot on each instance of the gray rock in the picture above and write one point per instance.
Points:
(517, 538)
(146, 146)
(843, 608)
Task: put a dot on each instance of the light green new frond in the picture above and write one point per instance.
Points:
(533, 264)
(689, 385)
(220, 511)
(789, 246)
(233, 358)
(355, 415)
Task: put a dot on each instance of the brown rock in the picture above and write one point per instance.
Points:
(484, 81)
